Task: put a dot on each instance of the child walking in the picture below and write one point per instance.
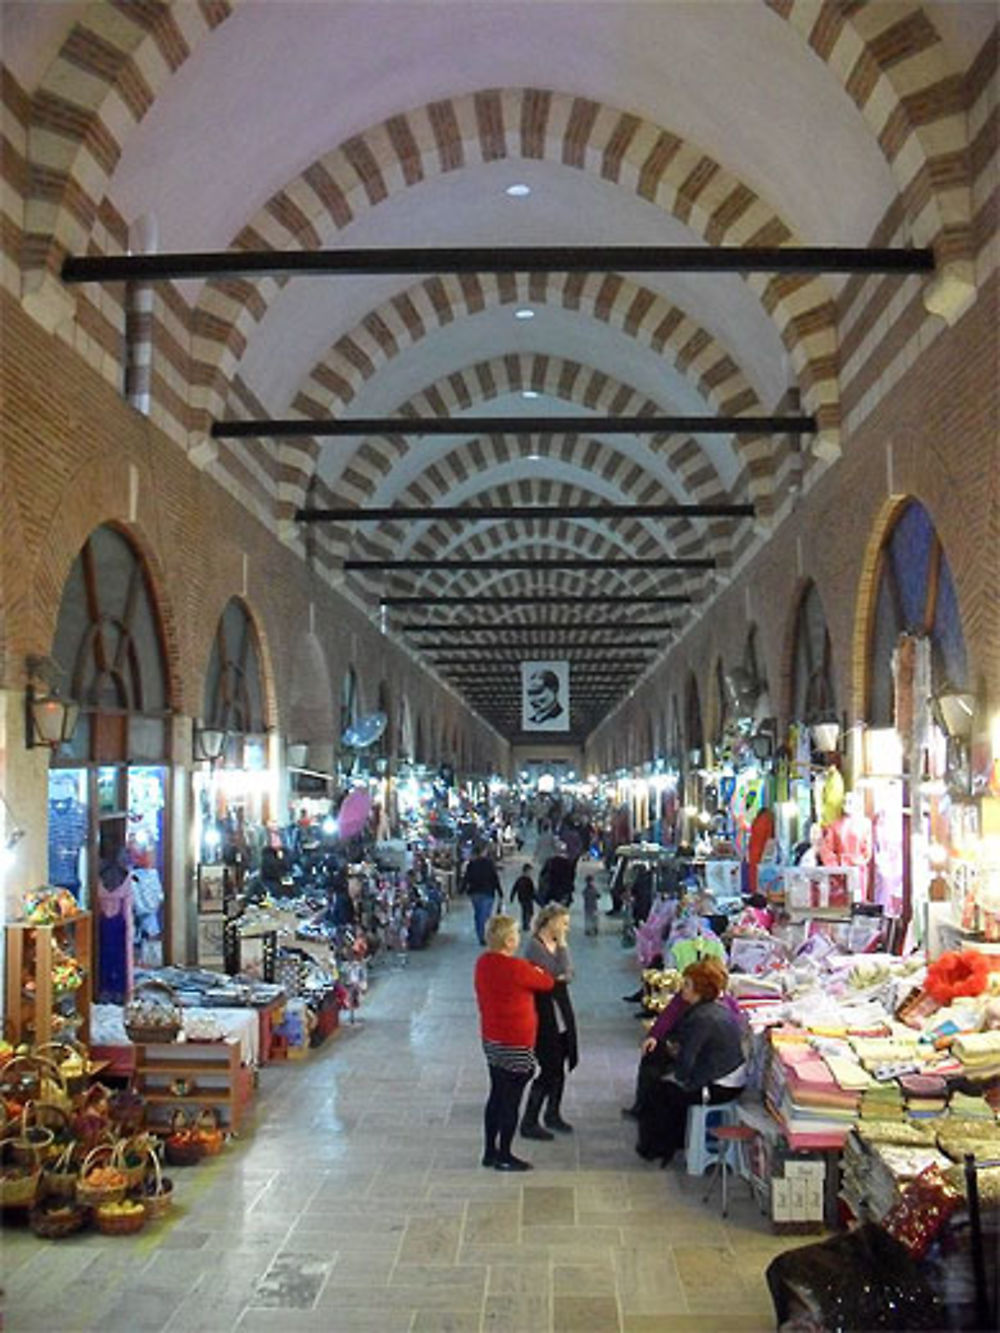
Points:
(591, 897)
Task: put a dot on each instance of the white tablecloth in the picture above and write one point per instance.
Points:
(107, 1027)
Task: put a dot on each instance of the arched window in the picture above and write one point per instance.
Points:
(813, 694)
(234, 697)
(109, 654)
(915, 594)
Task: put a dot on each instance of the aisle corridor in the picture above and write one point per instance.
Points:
(356, 1201)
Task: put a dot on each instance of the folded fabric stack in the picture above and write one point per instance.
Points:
(875, 1171)
(966, 1106)
(804, 1096)
(926, 1095)
(979, 1053)
(882, 1101)
(876, 1052)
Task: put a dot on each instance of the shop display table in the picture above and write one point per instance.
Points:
(192, 1075)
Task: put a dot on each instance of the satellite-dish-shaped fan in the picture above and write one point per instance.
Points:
(365, 731)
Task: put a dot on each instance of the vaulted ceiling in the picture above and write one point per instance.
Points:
(288, 125)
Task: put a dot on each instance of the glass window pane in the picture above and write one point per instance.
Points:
(910, 548)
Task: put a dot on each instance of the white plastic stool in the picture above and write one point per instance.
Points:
(700, 1146)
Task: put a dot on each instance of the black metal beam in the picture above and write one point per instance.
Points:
(352, 427)
(546, 644)
(496, 259)
(484, 626)
(543, 599)
(526, 562)
(475, 513)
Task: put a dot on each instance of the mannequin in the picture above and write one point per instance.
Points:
(67, 833)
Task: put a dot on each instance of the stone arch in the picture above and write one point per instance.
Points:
(340, 375)
(891, 62)
(574, 132)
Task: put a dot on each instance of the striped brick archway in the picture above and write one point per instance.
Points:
(117, 58)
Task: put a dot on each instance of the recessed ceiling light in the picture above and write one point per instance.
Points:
(524, 313)
(530, 393)
(534, 458)
(518, 190)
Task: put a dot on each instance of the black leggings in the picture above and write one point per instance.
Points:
(663, 1120)
(503, 1107)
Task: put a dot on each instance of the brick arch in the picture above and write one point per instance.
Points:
(94, 497)
(210, 613)
(892, 63)
(402, 322)
(111, 67)
(575, 132)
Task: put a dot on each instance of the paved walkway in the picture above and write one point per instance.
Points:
(356, 1201)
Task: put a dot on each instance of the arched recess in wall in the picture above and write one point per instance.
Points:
(694, 737)
(234, 682)
(913, 593)
(720, 713)
(383, 746)
(311, 717)
(419, 747)
(349, 703)
(812, 693)
(108, 807)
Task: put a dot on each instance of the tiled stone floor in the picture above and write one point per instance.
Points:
(356, 1201)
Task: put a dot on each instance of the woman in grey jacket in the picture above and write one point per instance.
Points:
(555, 1044)
(708, 1064)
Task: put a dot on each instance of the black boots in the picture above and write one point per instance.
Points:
(553, 1119)
(530, 1128)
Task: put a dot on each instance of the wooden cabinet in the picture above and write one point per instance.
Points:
(37, 1009)
(212, 1070)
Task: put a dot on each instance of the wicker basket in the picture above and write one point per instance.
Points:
(153, 1014)
(182, 1146)
(130, 1159)
(72, 1059)
(55, 1222)
(60, 1176)
(210, 1136)
(21, 1079)
(55, 1122)
(157, 1191)
(19, 1181)
(119, 1224)
(33, 1140)
(93, 1195)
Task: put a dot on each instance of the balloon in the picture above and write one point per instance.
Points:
(354, 810)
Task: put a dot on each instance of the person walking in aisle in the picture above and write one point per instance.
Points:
(591, 898)
(556, 1043)
(505, 992)
(524, 891)
(482, 883)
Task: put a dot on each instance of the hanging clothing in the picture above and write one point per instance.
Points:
(115, 942)
(67, 834)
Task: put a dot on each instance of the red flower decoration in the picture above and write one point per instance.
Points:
(955, 974)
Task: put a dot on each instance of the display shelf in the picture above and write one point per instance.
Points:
(31, 950)
(222, 1080)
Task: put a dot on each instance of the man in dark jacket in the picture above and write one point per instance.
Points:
(524, 892)
(482, 883)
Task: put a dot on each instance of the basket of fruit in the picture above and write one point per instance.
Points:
(156, 1190)
(123, 1218)
(52, 1219)
(130, 1159)
(210, 1136)
(153, 1014)
(101, 1181)
(34, 1139)
(183, 1145)
(19, 1178)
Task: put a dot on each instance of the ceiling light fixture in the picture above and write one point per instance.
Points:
(530, 393)
(518, 190)
(524, 313)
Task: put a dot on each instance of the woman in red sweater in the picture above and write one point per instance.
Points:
(505, 993)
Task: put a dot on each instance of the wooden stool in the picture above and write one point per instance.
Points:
(731, 1139)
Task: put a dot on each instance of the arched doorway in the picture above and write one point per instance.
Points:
(108, 807)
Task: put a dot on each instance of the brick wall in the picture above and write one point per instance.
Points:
(75, 455)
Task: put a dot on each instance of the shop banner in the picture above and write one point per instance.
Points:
(545, 696)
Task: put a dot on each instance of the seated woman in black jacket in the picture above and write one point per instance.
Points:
(708, 1063)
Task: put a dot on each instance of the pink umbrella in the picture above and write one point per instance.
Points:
(354, 810)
